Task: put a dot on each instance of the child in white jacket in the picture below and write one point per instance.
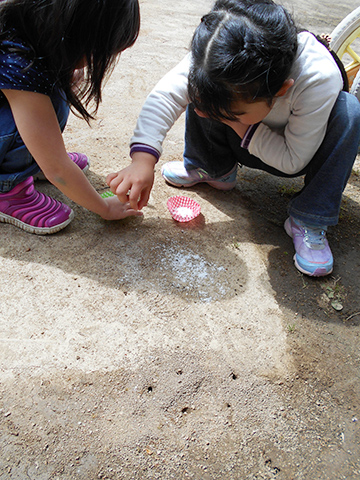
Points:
(256, 93)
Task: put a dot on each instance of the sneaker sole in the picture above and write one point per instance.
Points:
(37, 230)
(318, 272)
(217, 185)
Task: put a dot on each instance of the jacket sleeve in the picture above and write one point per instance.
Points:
(163, 106)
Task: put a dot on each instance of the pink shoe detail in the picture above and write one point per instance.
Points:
(33, 211)
(80, 159)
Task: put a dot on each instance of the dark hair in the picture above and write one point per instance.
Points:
(65, 32)
(242, 49)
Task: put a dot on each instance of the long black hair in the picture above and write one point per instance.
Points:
(65, 33)
(242, 49)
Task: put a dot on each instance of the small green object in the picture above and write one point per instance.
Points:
(107, 194)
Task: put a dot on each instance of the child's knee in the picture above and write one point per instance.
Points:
(355, 109)
(346, 112)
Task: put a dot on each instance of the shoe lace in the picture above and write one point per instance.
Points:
(314, 237)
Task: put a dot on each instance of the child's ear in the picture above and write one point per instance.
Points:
(286, 85)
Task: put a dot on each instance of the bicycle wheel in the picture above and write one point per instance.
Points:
(345, 41)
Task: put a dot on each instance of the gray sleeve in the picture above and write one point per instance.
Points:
(163, 106)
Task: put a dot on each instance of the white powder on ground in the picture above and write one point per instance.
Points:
(174, 268)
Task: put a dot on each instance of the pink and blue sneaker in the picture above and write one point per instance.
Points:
(176, 174)
(313, 255)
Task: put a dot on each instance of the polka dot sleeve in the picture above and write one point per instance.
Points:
(18, 73)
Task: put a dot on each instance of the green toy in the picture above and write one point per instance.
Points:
(107, 194)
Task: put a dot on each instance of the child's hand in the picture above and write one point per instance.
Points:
(118, 210)
(133, 184)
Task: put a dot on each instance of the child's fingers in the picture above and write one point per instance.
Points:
(110, 177)
(131, 212)
(118, 186)
(134, 196)
(118, 210)
(122, 190)
(144, 198)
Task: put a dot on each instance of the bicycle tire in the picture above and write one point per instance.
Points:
(344, 31)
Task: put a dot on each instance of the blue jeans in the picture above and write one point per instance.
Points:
(16, 162)
(215, 147)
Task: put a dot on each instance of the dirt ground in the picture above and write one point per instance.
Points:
(148, 349)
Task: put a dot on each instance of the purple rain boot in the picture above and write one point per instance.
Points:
(33, 211)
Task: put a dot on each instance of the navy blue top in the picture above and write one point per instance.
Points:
(18, 73)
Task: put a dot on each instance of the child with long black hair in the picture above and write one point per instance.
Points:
(54, 54)
(257, 93)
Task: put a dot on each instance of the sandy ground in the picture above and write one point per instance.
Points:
(148, 349)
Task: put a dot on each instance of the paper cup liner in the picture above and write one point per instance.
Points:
(183, 209)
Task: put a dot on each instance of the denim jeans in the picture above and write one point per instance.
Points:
(215, 147)
(16, 162)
